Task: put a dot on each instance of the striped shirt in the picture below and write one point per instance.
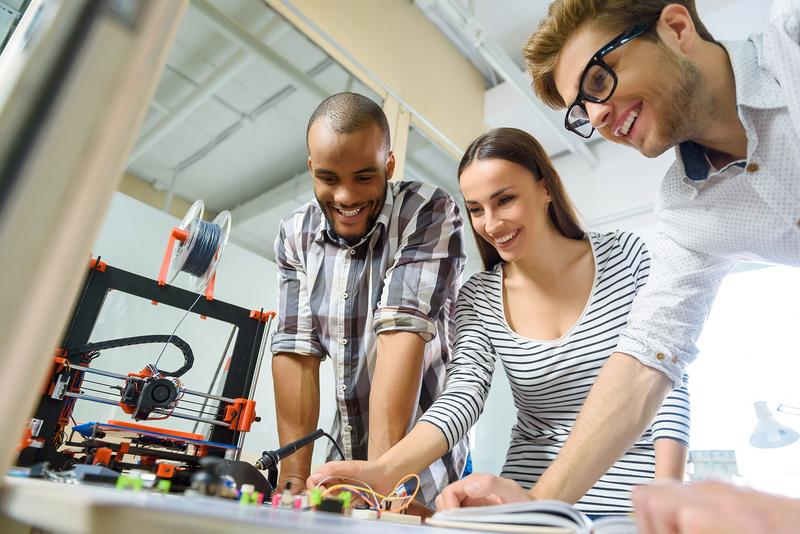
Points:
(551, 379)
(335, 299)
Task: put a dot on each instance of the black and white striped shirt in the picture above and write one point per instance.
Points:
(551, 379)
(336, 298)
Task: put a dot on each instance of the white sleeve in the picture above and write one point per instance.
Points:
(668, 313)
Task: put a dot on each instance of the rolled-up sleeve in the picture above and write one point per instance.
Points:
(295, 333)
(425, 271)
(668, 313)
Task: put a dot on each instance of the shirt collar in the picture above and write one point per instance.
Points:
(324, 230)
(755, 88)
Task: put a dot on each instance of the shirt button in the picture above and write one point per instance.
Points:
(345, 295)
(342, 387)
(348, 428)
(343, 342)
(660, 356)
(752, 167)
(352, 251)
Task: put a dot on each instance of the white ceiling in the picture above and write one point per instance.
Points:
(227, 123)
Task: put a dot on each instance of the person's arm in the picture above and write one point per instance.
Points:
(394, 390)
(666, 319)
(296, 382)
(297, 353)
(444, 424)
(620, 405)
(670, 459)
(712, 507)
(671, 428)
(418, 288)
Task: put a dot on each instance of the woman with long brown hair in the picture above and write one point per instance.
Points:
(550, 305)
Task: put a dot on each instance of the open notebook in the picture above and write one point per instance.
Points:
(533, 517)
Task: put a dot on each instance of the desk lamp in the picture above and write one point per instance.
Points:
(769, 433)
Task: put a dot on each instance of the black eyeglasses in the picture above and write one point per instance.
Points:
(597, 84)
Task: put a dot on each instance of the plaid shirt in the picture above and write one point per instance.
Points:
(335, 299)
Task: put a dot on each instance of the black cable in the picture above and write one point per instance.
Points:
(335, 444)
(188, 355)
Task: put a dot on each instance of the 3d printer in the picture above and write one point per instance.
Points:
(153, 393)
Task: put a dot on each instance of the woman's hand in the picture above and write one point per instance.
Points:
(377, 475)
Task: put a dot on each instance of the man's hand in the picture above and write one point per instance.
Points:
(297, 484)
(708, 507)
(480, 490)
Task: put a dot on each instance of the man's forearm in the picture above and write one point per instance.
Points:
(620, 405)
(394, 390)
(296, 382)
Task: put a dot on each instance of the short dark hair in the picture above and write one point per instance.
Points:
(350, 112)
(520, 147)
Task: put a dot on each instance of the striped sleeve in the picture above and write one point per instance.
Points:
(469, 373)
(674, 418)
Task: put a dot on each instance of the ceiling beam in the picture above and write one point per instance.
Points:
(508, 70)
(245, 39)
(272, 31)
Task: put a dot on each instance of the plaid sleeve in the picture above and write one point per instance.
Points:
(295, 333)
(427, 265)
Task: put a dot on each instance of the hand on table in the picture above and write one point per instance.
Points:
(707, 507)
(373, 473)
(480, 490)
(297, 484)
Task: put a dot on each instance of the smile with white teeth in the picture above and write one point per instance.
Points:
(626, 126)
(349, 213)
(505, 238)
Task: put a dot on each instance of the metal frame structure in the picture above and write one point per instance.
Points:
(239, 382)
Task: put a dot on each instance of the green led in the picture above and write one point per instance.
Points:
(345, 497)
(123, 482)
(164, 486)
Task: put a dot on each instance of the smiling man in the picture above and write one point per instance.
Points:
(368, 273)
(649, 75)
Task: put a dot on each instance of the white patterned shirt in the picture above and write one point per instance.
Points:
(709, 219)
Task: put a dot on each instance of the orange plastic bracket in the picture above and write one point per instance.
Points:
(97, 265)
(102, 456)
(241, 414)
(262, 316)
(124, 447)
(165, 470)
(176, 234)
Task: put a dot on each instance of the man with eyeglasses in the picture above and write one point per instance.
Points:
(649, 75)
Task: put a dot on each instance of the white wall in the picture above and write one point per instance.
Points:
(133, 237)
